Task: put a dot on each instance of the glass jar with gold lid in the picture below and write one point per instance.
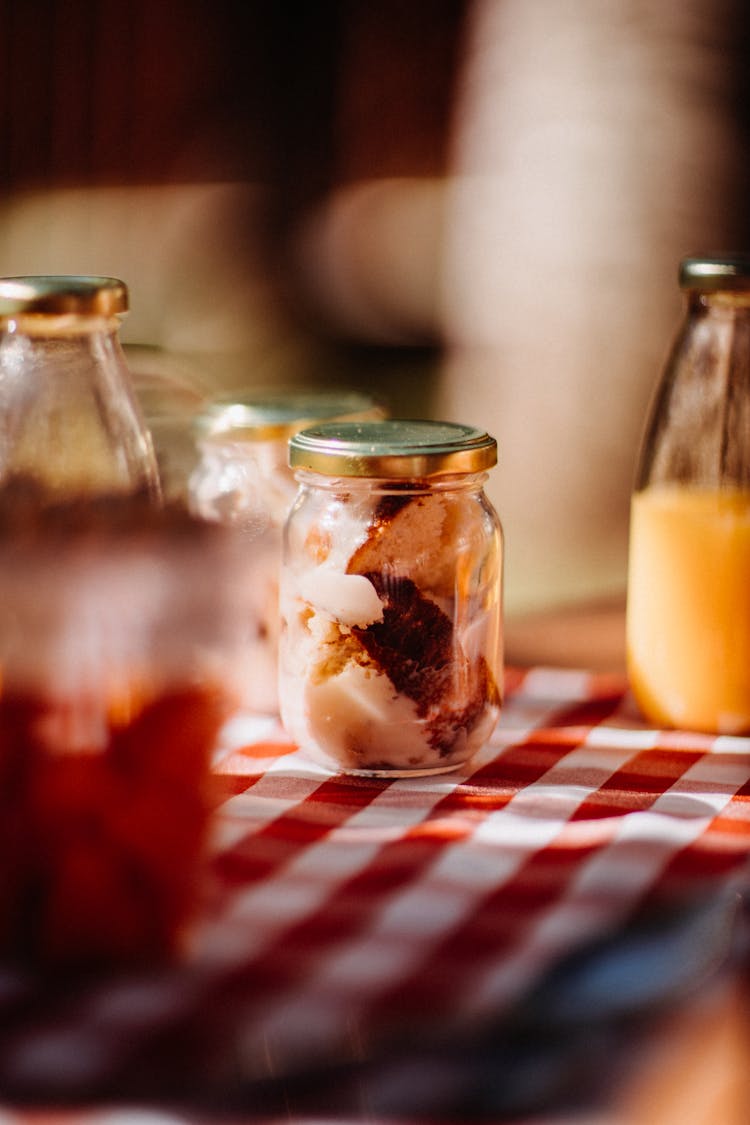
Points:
(391, 597)
(243, 479)
(69, 418)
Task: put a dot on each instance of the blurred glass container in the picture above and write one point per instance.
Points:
(243, 479)
(688, 614)
(118, 662)
(391, 597)
(69, 418)
(171, 396)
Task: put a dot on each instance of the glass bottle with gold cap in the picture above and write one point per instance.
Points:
(688, 616)
(68, 416)
(391, 644)
(243, 479)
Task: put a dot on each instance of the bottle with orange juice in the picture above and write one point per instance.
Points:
(688, 614)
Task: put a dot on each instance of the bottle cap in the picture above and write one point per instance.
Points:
(396, 448)
(63, 294)
(254, 415)
(715, 271)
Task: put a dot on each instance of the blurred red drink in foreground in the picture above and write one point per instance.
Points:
(116, 643)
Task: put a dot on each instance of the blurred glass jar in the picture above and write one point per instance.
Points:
(171, 395)
(688, 614)
(118, 663)
(243, 479)
(391, 597)
(68, 415)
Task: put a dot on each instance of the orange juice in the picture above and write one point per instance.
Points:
(688, 620)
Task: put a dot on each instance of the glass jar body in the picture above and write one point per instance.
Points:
(688, 614)
(249, 486)
(243, 479)
(391, 611)
(68, 414)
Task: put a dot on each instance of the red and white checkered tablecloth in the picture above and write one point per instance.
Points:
(349, 917)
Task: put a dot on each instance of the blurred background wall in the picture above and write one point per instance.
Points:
(188, 146)
(475, 206)
(595, 144)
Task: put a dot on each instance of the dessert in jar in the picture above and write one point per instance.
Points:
(243, 479)
(688, 612)
(391, 643)
(117, 673)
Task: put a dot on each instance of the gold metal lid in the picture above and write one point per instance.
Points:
(63, 294)
(715, 271)
(256, 415)
(395, 448)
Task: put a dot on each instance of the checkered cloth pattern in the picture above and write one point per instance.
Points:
(350, 917)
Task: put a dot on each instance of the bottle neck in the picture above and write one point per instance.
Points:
(69, 418)
(699, 418)
(720, 300)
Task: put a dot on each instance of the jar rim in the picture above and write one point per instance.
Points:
(63, 294)
(396, 447)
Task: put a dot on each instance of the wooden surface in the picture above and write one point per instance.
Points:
(587, 635)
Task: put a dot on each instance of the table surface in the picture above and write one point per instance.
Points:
(472, 943)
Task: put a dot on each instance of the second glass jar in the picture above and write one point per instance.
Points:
(243, 479)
